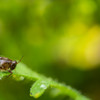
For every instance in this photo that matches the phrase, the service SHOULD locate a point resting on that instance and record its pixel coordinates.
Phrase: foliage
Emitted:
(42, 83)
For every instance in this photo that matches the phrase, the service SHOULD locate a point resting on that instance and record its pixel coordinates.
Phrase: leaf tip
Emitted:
(37, 95)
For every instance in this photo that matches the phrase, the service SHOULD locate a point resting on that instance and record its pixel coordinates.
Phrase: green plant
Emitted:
(42, 83)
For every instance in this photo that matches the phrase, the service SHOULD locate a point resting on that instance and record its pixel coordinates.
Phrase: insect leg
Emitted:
(10, 73)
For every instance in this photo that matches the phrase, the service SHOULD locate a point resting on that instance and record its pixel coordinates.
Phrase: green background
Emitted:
(58, 38)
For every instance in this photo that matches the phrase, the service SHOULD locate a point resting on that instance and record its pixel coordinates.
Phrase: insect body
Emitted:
(7, 64)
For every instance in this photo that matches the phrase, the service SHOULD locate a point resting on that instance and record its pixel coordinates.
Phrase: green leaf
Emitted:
(3, 74)
(42, 83)
(38, 88)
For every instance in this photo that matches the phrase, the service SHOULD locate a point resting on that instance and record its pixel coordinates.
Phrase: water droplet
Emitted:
(21, 78)
(0, 78)
(43, 86)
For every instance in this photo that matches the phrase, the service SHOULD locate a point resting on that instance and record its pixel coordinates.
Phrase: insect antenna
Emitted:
(20, 60)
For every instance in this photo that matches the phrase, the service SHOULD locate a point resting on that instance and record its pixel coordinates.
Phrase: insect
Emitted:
(7, 65)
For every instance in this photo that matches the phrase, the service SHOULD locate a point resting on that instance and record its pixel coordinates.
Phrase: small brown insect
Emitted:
(7, 64)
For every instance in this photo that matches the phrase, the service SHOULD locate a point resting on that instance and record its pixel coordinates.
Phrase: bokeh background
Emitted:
(58, 38)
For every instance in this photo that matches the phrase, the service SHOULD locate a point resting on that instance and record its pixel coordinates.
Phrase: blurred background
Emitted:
(58, 38)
